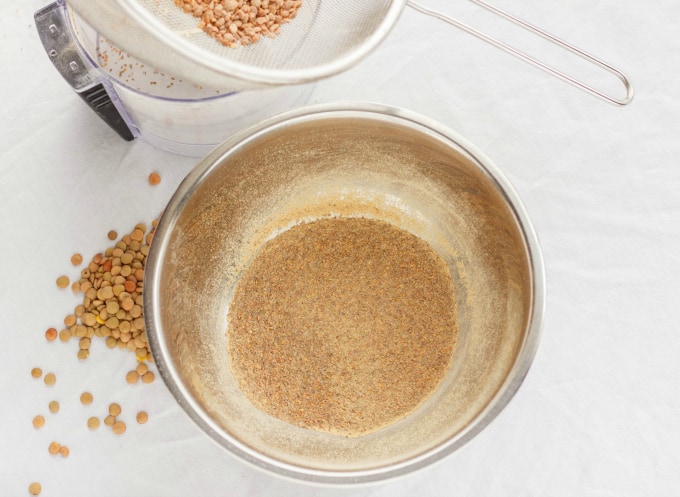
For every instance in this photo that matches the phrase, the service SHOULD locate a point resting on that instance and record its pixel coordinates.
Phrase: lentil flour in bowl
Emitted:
(343, 294)
(343, 325)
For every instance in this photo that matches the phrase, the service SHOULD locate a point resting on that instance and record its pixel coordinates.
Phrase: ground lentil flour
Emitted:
(343, 325)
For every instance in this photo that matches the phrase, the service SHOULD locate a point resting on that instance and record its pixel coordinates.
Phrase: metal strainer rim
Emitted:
(267, 76)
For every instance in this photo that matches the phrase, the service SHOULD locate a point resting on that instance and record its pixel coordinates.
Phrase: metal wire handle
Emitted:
(531, 60)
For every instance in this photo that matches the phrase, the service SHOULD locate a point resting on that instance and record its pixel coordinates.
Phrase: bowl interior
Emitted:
(353, 164)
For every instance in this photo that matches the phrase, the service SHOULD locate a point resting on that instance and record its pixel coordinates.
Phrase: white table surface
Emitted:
(598, 414)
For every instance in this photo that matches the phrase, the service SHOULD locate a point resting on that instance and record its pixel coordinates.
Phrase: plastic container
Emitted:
(139, 101)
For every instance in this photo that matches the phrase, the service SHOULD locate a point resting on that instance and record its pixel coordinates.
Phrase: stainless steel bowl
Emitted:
(358, 159)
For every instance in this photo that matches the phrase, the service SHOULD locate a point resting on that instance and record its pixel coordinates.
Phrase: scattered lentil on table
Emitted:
(51, 334)
(142, 417)
(114, 409)
(63, 281)
(342, 325)
(154, 179)
(39, 421)
(148, 377)
(119, 427)
(132, 377)
(111, 309)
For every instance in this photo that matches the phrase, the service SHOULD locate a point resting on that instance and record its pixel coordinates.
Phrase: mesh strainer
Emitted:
(326, 37)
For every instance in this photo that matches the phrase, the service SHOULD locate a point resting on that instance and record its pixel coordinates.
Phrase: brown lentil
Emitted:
(86, 398)
(63, 281)
(109, 420)
(83, 354)
(39, 421)
(35, 488)
(76, 259)
(70, 320)
(112, 235)
(119, 427)
(54, 406)
(148, 377)
(93, 423)
(154, 179)
(36, 372)
(50, 379)
(64, 451)
(54, 448)
(142, 417)
(142, 369)
(342, 325)
(132, 377)
(114, 409)
(51, 334)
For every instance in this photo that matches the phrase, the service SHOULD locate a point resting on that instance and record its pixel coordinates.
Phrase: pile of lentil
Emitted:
(342, 325)
(111, 286)
(241, 22)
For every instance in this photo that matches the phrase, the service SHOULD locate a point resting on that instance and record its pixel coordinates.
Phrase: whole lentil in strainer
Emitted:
(241, 22)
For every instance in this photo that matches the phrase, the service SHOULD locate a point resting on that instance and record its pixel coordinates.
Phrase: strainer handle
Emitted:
(533, 61)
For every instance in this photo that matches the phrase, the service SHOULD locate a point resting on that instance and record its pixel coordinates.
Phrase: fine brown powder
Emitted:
(342, 325)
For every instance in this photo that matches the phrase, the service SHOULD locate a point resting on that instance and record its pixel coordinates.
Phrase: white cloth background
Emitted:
(599, 413)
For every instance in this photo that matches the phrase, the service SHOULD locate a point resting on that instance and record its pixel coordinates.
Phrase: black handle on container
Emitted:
(100, 102)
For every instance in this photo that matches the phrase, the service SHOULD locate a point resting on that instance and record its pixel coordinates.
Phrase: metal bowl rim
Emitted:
(355, 477)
